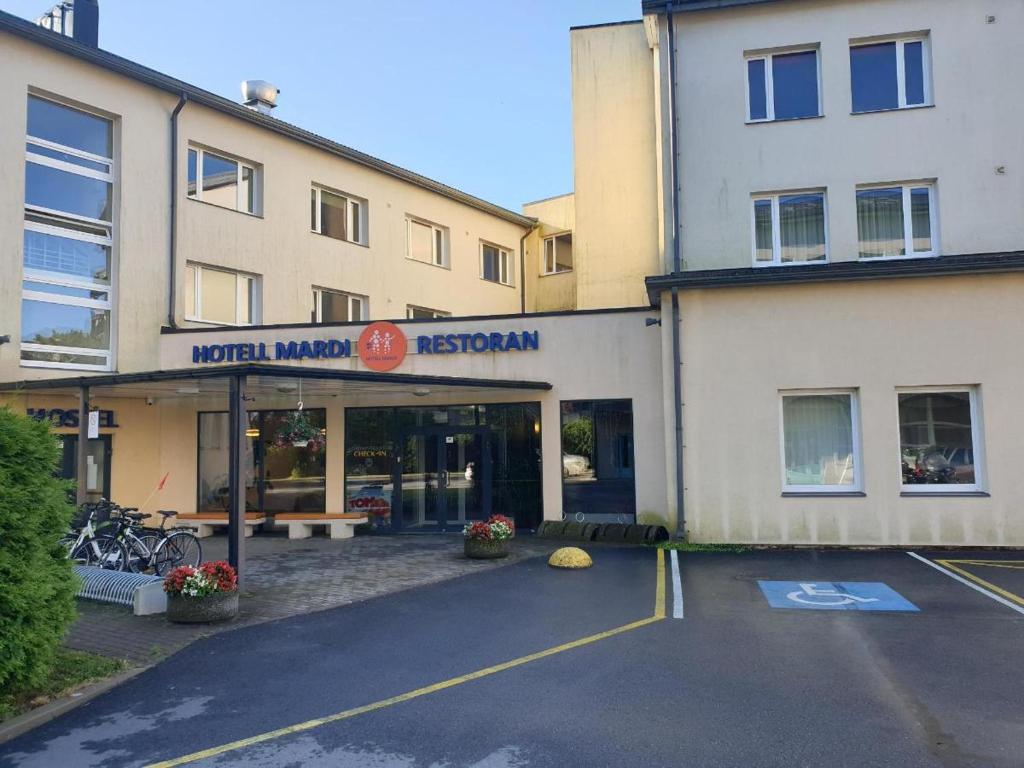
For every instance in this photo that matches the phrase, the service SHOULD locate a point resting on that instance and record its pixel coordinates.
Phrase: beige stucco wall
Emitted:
(615, 179)
(592, 356)
(973, 127)
(741, 346)
(277, 245)
(547, 293)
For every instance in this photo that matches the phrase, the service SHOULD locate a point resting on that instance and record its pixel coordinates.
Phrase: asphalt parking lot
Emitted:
(873, 658)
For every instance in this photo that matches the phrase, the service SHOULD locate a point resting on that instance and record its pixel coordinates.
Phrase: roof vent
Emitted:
(259, 95)
(77, 19)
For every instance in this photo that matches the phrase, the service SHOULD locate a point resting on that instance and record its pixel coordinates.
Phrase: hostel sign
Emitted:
(382, 346)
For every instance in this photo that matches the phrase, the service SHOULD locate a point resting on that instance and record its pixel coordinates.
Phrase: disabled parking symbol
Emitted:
(834, 596)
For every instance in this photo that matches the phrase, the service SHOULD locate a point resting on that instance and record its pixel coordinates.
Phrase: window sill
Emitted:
(946, 494)
(817, 262)
(339, 239)
(784, 120)
(914, 257)
(428, 263)
(893, 109)
(823, 494)
(496, 282)
(555, 274)
(225, 208)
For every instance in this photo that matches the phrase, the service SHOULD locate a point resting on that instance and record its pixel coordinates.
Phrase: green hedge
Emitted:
(37, 585)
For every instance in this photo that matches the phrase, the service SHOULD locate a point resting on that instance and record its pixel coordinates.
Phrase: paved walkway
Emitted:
(291, 578)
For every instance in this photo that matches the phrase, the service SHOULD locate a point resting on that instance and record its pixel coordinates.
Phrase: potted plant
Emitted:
(297, 430)
(201, 595)
(490, 539)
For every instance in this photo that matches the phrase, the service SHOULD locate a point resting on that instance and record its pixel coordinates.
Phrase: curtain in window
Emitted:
(802, 227)
(818, 436)
(880, 222)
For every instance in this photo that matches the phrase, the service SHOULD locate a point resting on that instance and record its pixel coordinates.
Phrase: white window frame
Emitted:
(977, 443)
(241, 279)
(356, 210)
(769, 82)
(70, 281)
(240, 201)
(506, 273)
(552, 268)
(436, 314)
(857, 486)
(777, 228)
(318, 294)
(901, 70)
(908, 223)
(437, 232)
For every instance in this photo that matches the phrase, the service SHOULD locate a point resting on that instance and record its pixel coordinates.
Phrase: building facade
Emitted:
(780, 304)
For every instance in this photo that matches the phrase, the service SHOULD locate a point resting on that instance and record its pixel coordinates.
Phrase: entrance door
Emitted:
(97, 459)
(442, 479)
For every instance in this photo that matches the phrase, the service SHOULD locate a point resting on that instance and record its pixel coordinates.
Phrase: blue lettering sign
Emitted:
(513, 341)
(320, 349)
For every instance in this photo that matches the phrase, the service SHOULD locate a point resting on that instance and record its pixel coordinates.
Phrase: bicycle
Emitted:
(84, 545)
(158, 548)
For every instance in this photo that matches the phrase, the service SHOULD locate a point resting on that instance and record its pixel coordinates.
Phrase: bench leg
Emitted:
(341, 530)
(248, 531)
(299, 531)
(202, 530)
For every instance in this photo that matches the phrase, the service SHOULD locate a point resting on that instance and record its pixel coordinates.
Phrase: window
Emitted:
(67, 278)
(337, 215)
(896, 221)
(939, 441)
(222, 181)
(782, 86)
(820, 442)
(598, 481)
(789, 228)
(423, 313)
(427, 242)
(214, 295)
(894, 74)
(337, 307)
(558, 254)
(495, 264)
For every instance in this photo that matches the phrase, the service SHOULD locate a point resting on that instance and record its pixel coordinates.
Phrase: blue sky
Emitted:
(474, 94)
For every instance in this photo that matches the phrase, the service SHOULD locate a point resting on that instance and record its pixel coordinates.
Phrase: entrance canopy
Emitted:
(240, 384)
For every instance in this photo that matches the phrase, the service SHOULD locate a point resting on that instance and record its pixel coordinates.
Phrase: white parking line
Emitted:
(677, 586)
(962, 580)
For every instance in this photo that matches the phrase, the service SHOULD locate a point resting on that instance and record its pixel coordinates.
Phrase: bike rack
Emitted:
(143, 594)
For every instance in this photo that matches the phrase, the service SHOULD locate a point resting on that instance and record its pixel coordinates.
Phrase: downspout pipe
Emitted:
(173, 253)
(522, 268)
(677, 264)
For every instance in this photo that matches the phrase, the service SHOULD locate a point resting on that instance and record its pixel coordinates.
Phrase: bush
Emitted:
(37, 585)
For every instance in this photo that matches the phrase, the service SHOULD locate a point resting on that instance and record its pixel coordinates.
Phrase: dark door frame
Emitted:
(69, 468)
(439, 432)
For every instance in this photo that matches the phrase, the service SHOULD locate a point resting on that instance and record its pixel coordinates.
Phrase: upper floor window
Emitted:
(783, 86)
(427, 242)
(223, 296)
(338, 215)
(221, 180)
(789, 228)
(891, 74)
(558, 253)
(495, 264)
(423, 313)
(337, 307)
(894, 221)
(67, 306)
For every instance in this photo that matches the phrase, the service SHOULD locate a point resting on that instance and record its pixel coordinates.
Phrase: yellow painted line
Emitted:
(659, 614)
(988, 585)
(1017, 565)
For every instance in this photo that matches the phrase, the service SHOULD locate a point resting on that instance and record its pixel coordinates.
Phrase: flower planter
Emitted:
(220, 606)
(482, 549)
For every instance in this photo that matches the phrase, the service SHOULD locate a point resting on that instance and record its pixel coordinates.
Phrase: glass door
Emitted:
(442, 479)
(97, 464)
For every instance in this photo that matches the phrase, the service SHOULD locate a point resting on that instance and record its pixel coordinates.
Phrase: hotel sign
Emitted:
(382, 346)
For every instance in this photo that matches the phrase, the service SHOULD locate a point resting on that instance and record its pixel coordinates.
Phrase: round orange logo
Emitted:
(382, 346)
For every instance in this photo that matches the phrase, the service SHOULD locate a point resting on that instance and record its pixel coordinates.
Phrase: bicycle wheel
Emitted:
(68, 543)
(179, 548)
(86, 553)
(142, 550)
(103, 551)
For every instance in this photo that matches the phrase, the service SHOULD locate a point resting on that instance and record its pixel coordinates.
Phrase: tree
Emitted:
(37, 584)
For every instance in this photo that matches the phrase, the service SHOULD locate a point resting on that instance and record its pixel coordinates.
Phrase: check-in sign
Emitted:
(834, 596)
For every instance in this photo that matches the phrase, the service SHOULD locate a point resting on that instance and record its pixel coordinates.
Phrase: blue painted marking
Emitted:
(834, 596)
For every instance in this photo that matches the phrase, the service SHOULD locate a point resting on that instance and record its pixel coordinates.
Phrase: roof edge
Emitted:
(29, 31)
(843, 271)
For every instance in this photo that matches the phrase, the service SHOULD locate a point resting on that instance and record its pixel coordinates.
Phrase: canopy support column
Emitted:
(82, 449)
(237, 423)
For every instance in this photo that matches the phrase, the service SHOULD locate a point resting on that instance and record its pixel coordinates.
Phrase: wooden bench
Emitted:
(205, 522)
(300, 524)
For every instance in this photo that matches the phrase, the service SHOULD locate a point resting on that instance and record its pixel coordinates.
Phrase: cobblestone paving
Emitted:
(293, 577)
